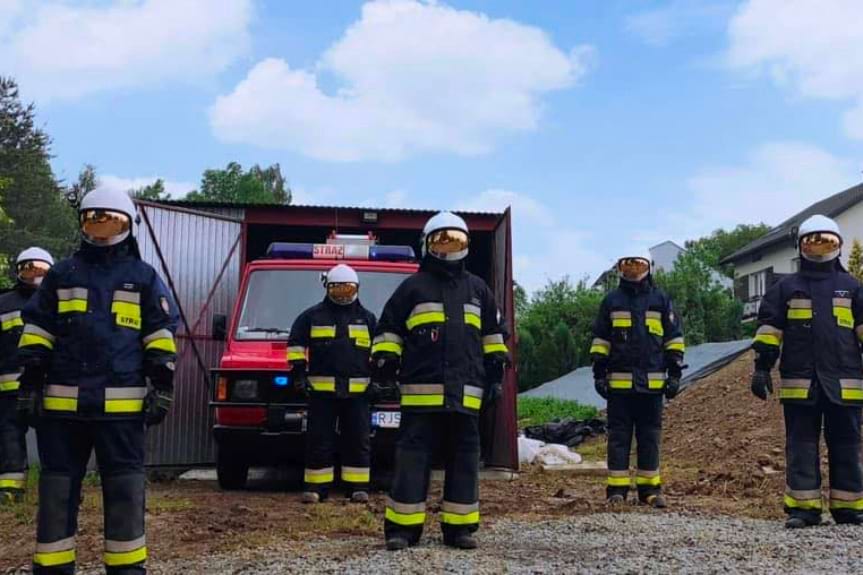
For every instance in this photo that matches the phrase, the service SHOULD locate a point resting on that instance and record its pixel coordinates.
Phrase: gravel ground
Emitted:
(600, 543)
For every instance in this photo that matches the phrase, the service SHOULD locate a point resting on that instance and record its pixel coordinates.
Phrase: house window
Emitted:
(757, 284)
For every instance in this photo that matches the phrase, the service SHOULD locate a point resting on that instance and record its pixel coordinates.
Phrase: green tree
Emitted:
(36, 212)
(233, 185)
(855, 260)
(720, 244)
(153, 192)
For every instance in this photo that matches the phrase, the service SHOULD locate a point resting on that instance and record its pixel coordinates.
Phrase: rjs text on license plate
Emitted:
(386, 419)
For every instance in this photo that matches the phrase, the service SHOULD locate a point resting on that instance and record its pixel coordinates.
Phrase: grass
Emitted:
(540, 410)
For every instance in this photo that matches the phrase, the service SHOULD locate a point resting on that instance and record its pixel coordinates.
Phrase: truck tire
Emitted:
(231, 472)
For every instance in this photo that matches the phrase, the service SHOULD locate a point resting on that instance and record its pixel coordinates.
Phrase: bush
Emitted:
(540, 410)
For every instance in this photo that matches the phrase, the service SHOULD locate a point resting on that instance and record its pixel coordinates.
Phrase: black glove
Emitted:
(672, 386)
(762, 384)
(374, 392)
(494, 369)
(600, 384)
(385, 368)
(157, 404)
(492, 392)
(161, 375)
(28, 402)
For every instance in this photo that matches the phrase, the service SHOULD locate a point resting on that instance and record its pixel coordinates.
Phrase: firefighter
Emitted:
(98, 330)
(637, 355)
(31, 265)
(813, 319)
(329, 350)
(441, 336)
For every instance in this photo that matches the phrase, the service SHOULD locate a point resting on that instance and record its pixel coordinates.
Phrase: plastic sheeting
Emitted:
(535, 451)
(702, 360)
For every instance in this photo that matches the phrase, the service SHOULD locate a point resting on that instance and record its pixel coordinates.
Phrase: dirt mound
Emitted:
(723, 443)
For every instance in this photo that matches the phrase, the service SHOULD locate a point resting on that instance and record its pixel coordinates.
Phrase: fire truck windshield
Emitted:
(275, 298)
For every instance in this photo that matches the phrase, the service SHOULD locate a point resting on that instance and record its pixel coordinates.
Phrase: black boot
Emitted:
(397, 543)
(461, 540)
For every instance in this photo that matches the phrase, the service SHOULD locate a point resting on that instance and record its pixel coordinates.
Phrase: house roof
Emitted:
(239, 205)
(785, 232)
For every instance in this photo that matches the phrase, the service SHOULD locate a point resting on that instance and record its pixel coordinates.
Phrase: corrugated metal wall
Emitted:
(196, 248)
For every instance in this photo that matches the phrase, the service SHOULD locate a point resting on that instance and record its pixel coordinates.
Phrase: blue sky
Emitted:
(608, 125)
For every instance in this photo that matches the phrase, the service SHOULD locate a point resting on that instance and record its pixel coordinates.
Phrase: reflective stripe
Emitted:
(296, 353)
(126, 308)
(125, 558)
(799, 313)
(457, 519)
(358, 384)
(323, 331)
(600, 346)
(619, 481)
(768, 335)
(57, 553)
(653, 320)
(124, 399)
(11, 320)
(60, 398)
(842, 302)
(9, 381)
(358, 330)
(645, 477)
(71, 300)
(322, 383)
(806, 501)
(799, 303)
(125, 546)
(426, 313)
(127, 296)
(852, 389)
(840, 499)
(620, 381)
(794, 393)
(15, 480)
(655, 380)
(325, 475)
(844, 316)
(675, 344)
(35, 335)
(794, 388)
(473, 315)
(472, 397)
(389, 342)
(162, 340)
(405, 513)
(422, 394)
(61, 390)
(494, 344)
(621, 319)
(356, 474)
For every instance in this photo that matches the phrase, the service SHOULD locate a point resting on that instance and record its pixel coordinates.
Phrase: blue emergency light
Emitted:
(281, 381)
(336, 251)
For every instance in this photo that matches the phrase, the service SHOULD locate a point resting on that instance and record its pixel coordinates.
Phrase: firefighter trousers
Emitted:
(803, 424)
(354, 428)
(64, 450)
(421, 436)
(13, 451)
(640, 413)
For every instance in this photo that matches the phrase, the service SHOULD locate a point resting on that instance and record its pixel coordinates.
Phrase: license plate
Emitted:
(386, 419)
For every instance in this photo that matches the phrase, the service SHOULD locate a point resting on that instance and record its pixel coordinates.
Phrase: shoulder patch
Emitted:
(166, 307)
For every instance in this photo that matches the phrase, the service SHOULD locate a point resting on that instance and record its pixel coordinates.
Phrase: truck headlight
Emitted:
(245, 389)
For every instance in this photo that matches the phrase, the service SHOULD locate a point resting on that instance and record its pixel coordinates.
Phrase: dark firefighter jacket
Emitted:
(815, 317)
(11, 325)
(337, 340)
(635, 334)
(99, 320)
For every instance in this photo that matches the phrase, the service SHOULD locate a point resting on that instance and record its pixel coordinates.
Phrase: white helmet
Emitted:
(629, 268)
(107, 217)
(32, 264)
(819, 239)
(342, 284)
(446, 237)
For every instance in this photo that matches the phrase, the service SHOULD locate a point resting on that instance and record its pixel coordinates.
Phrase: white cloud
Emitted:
(810, 46)
(678, 18)
(777, 180)
(174, 189)
(65, 50)
(545, 248)
(413, 77)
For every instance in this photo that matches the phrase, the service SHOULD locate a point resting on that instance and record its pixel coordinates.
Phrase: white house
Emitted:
(761, 263)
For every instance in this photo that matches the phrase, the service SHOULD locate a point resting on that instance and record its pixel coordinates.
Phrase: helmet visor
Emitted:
(820, 245)
(105, 227)
(31, 272)
(633, 269)
(343, 293)
(447, 243)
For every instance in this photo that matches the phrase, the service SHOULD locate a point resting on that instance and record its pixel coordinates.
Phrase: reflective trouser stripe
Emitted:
(356, 474)
(840, 499)
(406, 514)
(126, 558)
(651, 478)
(459, 513)
(325, 475)
(13, 480)
(56, 553)
(618, 478)
(794, 503)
